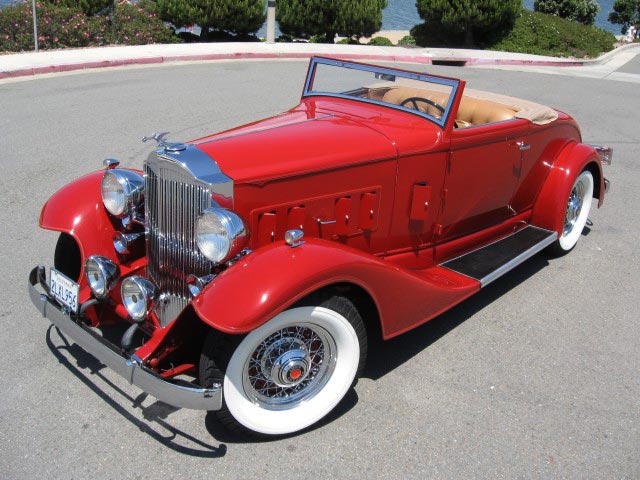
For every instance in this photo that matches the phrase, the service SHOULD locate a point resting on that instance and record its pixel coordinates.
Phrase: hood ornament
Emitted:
(167, 146)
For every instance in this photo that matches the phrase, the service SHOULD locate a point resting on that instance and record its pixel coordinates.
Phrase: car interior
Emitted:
(476, 107)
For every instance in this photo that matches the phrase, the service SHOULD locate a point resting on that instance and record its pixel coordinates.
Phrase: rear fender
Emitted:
(274, 278)
(77, 209)
(549, 208)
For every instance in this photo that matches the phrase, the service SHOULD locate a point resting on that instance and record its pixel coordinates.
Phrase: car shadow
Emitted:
(384, 357)
(222, 434)
(86, 366)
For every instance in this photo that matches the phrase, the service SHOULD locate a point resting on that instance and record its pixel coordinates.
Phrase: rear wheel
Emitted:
(292, 371)
(576, 214)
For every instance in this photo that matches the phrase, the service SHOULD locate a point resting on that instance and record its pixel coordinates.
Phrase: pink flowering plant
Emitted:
(138, 24)
(61, 26)
(58, 27)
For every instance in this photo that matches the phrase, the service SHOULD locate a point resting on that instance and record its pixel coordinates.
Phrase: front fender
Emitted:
(273, 278)
(77, 209)
(550, 206)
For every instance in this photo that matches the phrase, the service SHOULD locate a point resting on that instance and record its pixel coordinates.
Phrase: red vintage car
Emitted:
(251, 268)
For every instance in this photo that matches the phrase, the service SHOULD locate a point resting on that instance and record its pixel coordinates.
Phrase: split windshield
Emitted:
(421, 94)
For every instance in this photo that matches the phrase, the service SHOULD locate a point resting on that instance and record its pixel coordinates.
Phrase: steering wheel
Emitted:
(415, 100)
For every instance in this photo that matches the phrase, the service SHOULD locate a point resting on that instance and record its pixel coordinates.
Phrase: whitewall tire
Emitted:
(292, 371)
(576, 213)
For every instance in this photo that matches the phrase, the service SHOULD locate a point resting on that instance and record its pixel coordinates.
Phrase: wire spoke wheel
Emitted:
(290, 366)
(290, 372)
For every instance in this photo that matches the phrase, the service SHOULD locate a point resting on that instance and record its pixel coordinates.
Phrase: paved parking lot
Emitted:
(536, 376)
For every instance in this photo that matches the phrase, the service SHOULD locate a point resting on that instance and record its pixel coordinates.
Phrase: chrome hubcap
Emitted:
(289, 366)
(574, 207)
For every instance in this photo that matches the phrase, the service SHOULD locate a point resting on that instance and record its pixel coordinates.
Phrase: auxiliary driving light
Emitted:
(138, 296)
(102, 275)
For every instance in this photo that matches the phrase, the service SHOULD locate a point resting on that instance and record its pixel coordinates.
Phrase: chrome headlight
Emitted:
(122, 191)
(102, 275)
(138, 296)
(220, 234)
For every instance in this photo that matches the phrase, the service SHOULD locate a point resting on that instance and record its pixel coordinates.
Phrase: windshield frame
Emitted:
(453, 83)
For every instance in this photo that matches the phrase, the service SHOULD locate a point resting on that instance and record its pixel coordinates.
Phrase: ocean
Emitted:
(403, 15)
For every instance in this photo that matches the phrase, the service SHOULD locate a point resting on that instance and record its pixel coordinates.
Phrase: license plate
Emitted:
(64, 290)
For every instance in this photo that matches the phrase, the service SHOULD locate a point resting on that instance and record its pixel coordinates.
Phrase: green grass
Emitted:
(542, 34)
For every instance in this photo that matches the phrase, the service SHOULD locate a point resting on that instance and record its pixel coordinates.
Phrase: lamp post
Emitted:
(271, 21)
(35, 25)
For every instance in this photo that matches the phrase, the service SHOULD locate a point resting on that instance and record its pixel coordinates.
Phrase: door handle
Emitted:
(523, 146)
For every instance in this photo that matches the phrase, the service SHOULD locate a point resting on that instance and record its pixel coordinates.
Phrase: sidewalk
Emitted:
(28, 64)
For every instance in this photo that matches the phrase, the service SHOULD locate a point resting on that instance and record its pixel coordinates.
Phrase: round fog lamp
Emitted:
(102, 275)
(138, 296)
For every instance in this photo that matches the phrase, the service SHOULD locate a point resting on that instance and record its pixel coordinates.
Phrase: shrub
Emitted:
(381, 42)
(324, 19)
(543, 34)
(465, 22)
(583, 11)
(61, 26)
(88, 7)
(407, 40)
(138, 24)
(58, 27)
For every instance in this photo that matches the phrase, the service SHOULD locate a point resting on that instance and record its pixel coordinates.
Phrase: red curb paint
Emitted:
(421, 59)
(142, 61)
(26, 72)
(46, 69)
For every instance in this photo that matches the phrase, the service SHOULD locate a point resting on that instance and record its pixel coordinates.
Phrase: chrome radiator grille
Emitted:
(173, 201)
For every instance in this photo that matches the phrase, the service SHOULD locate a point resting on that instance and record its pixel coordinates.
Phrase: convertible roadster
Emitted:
(251, 268)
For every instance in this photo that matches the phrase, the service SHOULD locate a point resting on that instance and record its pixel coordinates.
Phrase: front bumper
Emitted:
(130, 368)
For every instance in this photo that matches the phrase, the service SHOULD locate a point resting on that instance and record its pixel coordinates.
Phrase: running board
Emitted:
(494, 260)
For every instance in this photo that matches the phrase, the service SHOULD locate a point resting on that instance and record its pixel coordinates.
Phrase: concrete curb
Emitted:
(30, 64)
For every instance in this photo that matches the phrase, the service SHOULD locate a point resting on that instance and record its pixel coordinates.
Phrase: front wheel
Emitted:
(292, 371)
(576, 214)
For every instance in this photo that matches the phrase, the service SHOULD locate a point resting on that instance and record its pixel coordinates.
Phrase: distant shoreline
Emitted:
(402, 15)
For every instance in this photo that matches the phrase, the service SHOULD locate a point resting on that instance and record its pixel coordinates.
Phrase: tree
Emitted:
(360, 18)
(625, 13)
(583, 11)
(326, 18)
(241, 17)
(470, 21)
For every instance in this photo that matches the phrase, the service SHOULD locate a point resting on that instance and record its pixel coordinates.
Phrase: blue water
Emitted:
(403, 15)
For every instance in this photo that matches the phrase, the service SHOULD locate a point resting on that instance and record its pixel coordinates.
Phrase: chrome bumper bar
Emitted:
(107, 353)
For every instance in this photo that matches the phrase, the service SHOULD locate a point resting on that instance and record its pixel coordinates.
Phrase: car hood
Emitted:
(296, 143)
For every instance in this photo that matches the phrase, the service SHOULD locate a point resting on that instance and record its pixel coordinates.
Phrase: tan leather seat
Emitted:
(399, 95)
(472, 111)
(478, 112)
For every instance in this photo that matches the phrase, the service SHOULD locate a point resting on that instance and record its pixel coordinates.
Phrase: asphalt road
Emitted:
(535, 377)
